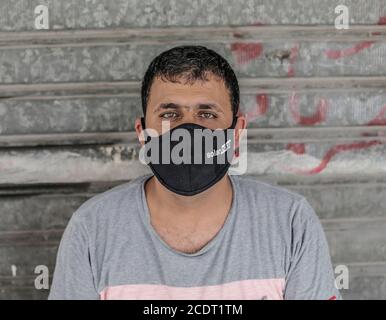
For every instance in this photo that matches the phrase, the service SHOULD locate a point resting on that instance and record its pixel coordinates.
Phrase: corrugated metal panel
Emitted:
(315, 99)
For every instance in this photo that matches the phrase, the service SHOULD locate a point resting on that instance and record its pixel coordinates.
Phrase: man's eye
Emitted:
(207, 115)
(169, 115)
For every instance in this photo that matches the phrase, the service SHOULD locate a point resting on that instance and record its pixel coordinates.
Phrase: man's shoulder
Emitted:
(254, 187)
(109, 200)
(277, 202)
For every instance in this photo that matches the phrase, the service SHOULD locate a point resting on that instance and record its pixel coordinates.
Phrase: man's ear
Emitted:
(241, 125)
(139, 130)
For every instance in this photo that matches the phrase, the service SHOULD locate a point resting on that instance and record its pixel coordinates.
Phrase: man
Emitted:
(191, 231)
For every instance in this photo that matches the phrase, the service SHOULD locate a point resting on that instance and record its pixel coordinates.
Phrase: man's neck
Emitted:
(210, 206)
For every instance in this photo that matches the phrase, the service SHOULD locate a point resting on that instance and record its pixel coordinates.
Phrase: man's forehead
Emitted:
(211, 92)
(182, 82)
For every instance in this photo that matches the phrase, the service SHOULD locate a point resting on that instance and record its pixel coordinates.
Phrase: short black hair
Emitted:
(190, 63)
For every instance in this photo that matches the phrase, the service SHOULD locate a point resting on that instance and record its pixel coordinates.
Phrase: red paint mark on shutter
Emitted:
(246, 52)
(317, 117)
(262, 105)
(298, 148)
(335, 150)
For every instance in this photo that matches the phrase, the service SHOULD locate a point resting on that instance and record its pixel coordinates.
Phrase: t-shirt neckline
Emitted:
(145, 214)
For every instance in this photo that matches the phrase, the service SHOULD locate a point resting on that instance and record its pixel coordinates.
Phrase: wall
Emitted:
(315, 98)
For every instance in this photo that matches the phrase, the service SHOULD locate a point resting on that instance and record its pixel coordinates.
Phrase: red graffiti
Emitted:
(337, 54)
(246, 52)
(298, 148)
(381, 22)
(262, 105)
(335, 150)
(317, 117)
(380, 118)
(293, 57)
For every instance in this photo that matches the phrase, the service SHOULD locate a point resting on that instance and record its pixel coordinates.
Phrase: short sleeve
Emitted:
(73, 278)
(310, 274)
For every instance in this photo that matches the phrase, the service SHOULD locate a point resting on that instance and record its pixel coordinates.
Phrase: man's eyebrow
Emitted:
(165, 106)
(209, 106)
(201, 106)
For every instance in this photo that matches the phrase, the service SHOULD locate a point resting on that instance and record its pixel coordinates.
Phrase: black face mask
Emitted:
(196, 170)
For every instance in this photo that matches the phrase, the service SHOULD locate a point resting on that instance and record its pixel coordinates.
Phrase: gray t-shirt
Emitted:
(271, 246)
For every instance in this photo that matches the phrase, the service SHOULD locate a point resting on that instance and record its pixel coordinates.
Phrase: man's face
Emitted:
(205, 103)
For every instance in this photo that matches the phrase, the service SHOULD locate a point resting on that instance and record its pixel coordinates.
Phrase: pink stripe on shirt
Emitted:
(254, 289)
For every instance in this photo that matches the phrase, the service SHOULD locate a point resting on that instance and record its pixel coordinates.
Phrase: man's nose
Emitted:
(188, 116)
